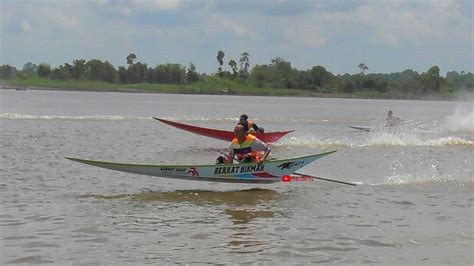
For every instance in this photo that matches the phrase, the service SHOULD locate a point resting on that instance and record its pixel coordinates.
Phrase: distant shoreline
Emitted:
(191, 90)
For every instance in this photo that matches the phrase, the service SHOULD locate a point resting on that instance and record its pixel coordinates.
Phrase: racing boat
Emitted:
(366, 129)
(270, 137)
(267, 172)
(407, 125)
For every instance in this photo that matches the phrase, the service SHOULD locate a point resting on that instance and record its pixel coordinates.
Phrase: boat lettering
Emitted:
(173, 169)
(252, 168)
(226, 170)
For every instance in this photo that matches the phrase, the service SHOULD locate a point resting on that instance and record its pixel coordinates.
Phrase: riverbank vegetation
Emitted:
(237, 77)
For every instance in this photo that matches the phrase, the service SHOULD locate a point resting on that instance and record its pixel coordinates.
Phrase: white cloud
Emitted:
(122, 10)
(309, 35)
(25, 26)
(394, 24)
(392, 35)
(314, 30)
(60, 18)
(236, 28)
(156, 5)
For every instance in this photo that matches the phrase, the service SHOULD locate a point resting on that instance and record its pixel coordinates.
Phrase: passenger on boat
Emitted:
(245, 148)
(250, 124)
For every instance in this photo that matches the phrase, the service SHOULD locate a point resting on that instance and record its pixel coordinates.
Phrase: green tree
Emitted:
(109, 74)
(63, 72)
(98, 70)
(408, 74)
(29, 69)
(137, 73)
(79, 69)
(304, 80)
(320, 76)
(220, 60)
(433, 72)
(7, 71)
(349, 86)
(191, 74)
(130, 59)
(258, 75)
(233, 66)
(431, 81)
(44, 70)
(162, 74)
(278, 74)
(244, 64)
(122, 75)
(178, 73)
(363, 67)
(173, 74)
(452, 77)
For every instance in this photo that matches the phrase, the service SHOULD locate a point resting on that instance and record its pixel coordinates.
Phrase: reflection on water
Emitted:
(240, 207)
(202, 197)
(244, 238)
(245, 216)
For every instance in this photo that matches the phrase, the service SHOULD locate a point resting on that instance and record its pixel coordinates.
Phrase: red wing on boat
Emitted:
(223, 134)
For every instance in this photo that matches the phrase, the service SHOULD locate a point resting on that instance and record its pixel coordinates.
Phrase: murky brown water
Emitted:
(413, 204)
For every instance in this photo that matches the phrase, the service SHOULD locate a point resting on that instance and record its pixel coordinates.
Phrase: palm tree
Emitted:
(363, 67)
(220, 60)
(233, 66)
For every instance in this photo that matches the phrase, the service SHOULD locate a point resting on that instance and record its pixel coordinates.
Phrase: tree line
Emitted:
(277, 74)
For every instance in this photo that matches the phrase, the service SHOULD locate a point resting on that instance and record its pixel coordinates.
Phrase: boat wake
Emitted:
(376, 139)
(462, 120)
(61, 117)
(109, 117)
(413, 179)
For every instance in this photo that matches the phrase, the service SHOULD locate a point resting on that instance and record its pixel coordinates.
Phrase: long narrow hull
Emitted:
(366, 129)
(270, 137)
(267, 172)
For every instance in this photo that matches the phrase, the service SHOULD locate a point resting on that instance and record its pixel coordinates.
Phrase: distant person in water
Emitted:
(392, 120)
(250, 124)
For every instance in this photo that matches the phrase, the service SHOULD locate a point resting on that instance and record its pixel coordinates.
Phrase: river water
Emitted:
(412, 205)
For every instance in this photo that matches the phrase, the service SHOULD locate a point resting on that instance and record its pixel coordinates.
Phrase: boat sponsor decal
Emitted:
(239, 169)
(193, 171)
(289, 178)
(173, 170)
(289, 165)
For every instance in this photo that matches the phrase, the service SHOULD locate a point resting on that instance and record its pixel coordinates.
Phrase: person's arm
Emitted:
(230, 157)
(255, 127)
(259, 145)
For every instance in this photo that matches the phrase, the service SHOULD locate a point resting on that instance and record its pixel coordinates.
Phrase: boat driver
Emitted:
(245, 148)
(392, 120)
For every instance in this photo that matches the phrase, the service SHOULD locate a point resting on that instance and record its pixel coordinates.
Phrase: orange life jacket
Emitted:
(244, 149)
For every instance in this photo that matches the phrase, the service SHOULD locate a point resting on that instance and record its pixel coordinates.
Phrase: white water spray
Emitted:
(463, 118)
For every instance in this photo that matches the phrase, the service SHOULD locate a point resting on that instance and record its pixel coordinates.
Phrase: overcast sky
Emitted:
(389, 36)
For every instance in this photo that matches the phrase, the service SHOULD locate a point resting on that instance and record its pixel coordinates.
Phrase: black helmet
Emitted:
(244, 116)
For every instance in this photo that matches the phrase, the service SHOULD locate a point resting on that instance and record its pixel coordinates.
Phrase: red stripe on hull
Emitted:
(263, 175)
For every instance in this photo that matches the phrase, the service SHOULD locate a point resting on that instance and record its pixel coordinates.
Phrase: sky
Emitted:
(388, 36)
